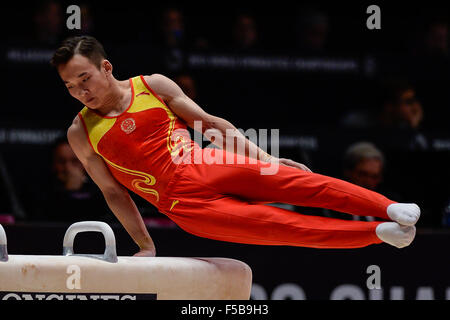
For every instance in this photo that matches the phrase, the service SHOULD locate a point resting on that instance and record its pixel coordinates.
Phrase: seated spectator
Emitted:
(437, 38)
(398, 107)
(70, 196)
(49, 23)
(363, 165)
(401, 117)
(446, 214)
(429, 66)
(245, 34)
(187, 84)
(398, 116)
(175, 40)
(401, 108)
(432, 39)
(173, 28)
(312, 31)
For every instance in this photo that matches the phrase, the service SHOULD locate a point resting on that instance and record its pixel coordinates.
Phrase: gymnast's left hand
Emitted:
(147, 252)
(291, 163)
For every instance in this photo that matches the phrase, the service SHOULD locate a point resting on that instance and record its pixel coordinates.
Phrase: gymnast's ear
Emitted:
(107, 67)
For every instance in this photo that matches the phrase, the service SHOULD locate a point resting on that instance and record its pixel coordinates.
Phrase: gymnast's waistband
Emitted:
(163, 200)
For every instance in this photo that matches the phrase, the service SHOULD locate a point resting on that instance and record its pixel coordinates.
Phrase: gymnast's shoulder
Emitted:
(75, 127)
(76, 135)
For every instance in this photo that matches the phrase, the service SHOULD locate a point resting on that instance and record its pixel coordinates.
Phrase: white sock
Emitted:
(405, 214)
(396, 235)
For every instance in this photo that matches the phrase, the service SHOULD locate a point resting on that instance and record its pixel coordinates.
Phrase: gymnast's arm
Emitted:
(116, 196)
(190, 112)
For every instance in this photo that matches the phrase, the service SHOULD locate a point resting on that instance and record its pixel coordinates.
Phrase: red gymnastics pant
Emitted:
(225, 202)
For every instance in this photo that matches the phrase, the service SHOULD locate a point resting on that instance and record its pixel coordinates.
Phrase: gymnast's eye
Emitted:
(86, 79)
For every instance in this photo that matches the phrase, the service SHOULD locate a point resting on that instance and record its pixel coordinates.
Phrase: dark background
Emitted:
(300, 103)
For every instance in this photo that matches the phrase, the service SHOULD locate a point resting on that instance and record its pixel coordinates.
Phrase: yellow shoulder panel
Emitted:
(145, 99)
(96, 126)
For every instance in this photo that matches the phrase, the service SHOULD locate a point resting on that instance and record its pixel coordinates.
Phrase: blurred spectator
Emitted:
(400, 108)
(312, 30)
(436, 38)
(70, 196)
(398, 114)
(68, 170)
(245, 33)
(170, 41)
(429, 67)
(175, 34)
(396, 106)
(49, 23)
(446, 215)
(402, 116)
(173, 28)
(175, 41)
(363, 165)
(187, 84)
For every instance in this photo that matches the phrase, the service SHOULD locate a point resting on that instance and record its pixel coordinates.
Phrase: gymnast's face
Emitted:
(85, 81)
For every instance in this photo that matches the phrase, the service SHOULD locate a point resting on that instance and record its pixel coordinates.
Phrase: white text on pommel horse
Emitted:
(74, 280)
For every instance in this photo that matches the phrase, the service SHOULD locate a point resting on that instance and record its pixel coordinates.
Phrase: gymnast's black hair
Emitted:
(86, 46)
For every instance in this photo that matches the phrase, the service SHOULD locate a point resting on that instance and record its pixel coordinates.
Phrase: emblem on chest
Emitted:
(128, 125)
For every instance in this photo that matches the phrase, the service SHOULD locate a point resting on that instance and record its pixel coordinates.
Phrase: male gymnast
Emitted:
(129, 135)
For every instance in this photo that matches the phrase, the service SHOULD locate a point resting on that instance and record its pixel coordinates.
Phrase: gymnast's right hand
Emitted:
(294, 164)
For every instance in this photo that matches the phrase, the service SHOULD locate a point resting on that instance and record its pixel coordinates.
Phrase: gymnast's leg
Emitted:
(227, 218)
(301, 188)
(243, 185)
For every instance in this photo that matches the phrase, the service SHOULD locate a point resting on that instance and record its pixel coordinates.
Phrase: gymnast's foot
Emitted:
(395, 234)
(405, 214)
